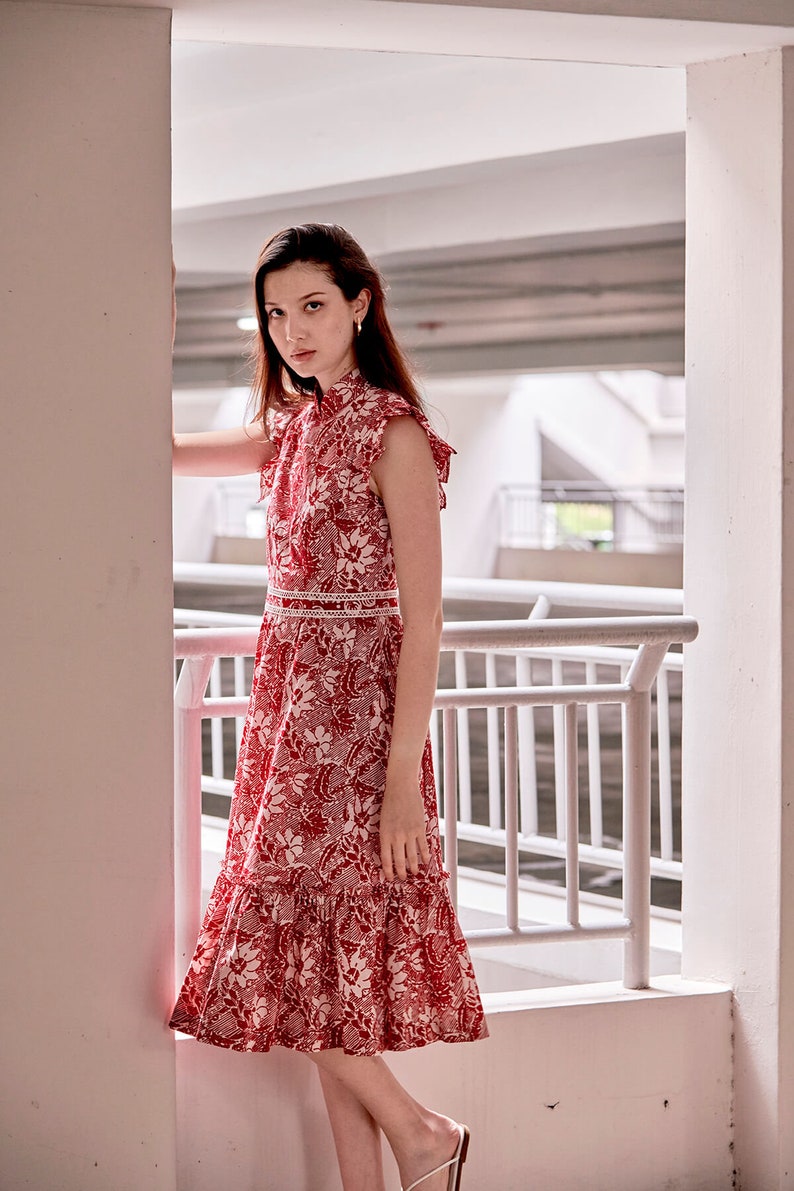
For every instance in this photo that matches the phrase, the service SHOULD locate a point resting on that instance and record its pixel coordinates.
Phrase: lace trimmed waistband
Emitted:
(321, 605)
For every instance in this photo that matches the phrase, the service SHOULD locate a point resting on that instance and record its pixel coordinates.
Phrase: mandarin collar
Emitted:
(335, 397)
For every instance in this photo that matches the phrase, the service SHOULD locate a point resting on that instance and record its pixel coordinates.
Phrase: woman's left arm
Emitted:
(406, 477)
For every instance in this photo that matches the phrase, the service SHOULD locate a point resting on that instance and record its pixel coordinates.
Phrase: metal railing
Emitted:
(653, 601)
(585, 515)
(512, 817)
(564, 663)
(505, 668)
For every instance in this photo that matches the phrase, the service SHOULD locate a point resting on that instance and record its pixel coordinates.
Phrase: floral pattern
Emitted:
(304, 943)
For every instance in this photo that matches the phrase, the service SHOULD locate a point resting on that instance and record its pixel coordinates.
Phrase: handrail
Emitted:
(612, 596)
(482, 634)
(652, 637)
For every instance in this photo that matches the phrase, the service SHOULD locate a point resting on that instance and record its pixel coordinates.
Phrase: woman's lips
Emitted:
(301, 357)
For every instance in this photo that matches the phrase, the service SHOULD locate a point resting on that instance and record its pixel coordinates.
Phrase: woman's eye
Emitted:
(315, 305)
(274, 313)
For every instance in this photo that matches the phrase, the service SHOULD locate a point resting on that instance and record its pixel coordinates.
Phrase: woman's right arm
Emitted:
(236, 452)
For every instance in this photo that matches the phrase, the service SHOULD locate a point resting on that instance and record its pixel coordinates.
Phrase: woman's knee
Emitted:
(326, 1060)
(339, 1061)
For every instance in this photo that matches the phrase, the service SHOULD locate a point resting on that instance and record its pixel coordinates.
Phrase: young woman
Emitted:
(330, 928)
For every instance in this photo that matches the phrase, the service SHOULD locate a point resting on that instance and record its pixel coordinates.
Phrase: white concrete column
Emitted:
(739, 583)
(471, 414)
(87, 1060)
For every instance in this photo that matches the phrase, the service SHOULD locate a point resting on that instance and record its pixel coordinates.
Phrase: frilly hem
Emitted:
(375, 968)
(187, 1023)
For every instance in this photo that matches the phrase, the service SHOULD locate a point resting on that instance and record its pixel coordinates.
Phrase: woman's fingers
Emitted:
(402, 855)
(399, 861)
(386, 860)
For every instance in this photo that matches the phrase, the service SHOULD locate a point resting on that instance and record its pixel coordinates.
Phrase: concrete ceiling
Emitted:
(527, 215)
(633, 32)
(593, 302)
(517, 171)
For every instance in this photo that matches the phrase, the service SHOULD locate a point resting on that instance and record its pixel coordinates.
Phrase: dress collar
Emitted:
(339, 394)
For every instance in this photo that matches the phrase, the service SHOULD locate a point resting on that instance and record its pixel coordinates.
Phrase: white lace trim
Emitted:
(333, 597)
(330, 613)
(358, 603)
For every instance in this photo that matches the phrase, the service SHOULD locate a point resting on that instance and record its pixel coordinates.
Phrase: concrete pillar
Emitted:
(739, 583)
(88, 1063)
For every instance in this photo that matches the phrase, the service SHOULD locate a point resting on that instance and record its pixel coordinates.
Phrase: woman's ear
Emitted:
(361, 304)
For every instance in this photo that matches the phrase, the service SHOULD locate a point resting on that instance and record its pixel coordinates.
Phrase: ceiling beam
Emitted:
(733, 12)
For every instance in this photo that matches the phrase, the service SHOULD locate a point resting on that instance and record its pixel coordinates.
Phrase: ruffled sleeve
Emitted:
(372, 446)
(278, 422)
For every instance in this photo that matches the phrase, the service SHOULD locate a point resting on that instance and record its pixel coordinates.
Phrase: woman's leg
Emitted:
(356, 1136)
(420, 1138)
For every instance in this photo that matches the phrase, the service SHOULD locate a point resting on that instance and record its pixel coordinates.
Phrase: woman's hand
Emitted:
(403, 840)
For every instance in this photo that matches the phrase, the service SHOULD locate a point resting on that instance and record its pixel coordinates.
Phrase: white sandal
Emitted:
(455, 1163)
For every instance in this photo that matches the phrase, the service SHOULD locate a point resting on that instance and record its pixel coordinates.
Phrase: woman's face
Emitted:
(311, 322)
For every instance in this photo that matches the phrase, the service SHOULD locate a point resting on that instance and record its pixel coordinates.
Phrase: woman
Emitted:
(330, 929)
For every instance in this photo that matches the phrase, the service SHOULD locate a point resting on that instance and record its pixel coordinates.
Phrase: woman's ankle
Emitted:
(427, 1144)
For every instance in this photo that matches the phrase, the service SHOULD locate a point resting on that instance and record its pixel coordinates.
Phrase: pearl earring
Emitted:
(358, 326)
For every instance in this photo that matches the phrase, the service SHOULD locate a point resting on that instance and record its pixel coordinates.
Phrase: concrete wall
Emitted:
(738, 582)
(591, 566)
(497, 424)
(88, 1064)
(586, 1088)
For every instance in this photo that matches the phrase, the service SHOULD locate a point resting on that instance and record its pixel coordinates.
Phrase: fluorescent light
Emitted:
(248, 323)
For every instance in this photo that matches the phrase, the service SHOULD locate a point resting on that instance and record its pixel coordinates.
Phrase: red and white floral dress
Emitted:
(305, 944)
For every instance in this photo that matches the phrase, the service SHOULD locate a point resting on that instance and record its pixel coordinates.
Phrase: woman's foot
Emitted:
(438, 1143)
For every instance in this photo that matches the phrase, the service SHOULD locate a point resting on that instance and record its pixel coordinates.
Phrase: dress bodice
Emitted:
(327, 531)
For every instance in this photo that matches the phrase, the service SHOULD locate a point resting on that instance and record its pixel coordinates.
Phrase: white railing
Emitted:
(566, 665)
(650, 637)
(613, 597)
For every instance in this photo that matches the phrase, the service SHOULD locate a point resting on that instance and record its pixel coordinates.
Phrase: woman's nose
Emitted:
(294, 329)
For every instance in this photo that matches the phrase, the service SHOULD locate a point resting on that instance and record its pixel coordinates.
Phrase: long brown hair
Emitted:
(379, 357)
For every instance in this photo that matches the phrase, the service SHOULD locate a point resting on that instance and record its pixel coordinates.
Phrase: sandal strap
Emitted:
(443, 1166)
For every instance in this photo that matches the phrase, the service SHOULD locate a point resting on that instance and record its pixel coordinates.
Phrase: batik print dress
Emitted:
(304, 943)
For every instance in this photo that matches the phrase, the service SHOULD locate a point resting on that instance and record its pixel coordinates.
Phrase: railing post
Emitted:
(188, 697)
(527, 755)
(637, 813)
(665, 766)
(558, 724)
(637, 839)
(511, 816)
(464, 753)
(216, 727)
(451, 802)
(595, 795)
(527, 758)
(492, 752)
(571, 813)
